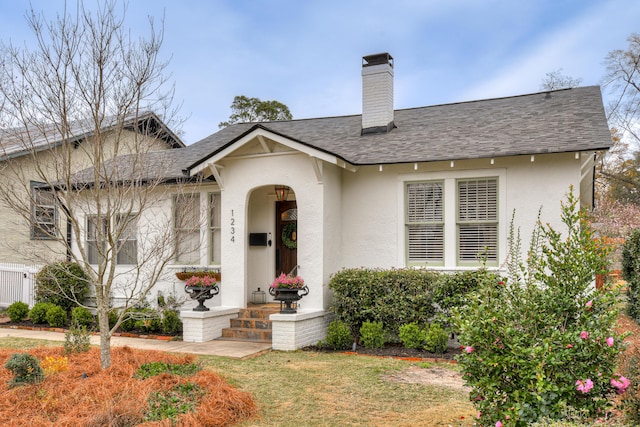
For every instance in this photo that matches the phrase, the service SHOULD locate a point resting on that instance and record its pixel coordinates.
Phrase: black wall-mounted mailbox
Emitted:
(257, 239)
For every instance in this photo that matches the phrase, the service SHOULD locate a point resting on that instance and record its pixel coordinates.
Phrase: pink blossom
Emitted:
(479, 414)
(584, 386)
(589, 304)
(610, 341)
(468, 349)
(498, 423)
(621, 384)
(569, 346)
(584, 335)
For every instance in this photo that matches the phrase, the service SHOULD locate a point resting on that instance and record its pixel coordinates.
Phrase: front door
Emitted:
(286, 237)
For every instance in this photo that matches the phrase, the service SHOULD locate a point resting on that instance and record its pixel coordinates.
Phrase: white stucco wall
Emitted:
(373, 203)
(240, 179)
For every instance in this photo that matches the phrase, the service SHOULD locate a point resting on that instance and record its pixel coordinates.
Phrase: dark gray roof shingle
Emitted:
(547, 122)
(566, 120)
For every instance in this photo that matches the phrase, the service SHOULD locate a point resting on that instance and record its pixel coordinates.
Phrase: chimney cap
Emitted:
(377, 59)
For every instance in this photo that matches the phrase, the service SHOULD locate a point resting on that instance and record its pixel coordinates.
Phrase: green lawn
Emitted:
(319, 389)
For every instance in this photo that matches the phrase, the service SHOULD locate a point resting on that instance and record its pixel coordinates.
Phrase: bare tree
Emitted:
(622, 166)
(555, 80)
(80, 101)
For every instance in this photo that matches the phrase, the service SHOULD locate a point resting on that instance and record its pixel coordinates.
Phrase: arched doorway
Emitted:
(286, 239)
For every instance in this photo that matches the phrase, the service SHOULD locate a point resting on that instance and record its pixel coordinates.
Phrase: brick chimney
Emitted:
(377, 93)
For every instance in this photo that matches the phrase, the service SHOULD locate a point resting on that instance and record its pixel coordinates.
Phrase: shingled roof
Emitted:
(557, 121)
(16, 142)
(567, 120)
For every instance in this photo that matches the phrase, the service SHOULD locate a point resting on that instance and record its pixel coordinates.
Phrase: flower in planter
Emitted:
(285, 281)
(201, 281)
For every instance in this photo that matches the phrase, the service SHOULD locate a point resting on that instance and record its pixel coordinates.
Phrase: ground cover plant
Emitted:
(77, 392)
(542, 344)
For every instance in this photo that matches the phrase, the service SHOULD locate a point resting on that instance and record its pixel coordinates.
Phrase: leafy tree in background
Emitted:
(621, 167)
(246, 110)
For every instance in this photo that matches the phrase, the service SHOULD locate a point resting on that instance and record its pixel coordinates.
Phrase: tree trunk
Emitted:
(105, 337)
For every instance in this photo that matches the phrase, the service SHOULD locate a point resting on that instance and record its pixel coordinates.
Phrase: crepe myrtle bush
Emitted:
(542, 343)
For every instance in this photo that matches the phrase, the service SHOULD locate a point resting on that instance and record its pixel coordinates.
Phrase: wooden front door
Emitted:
(286, 237)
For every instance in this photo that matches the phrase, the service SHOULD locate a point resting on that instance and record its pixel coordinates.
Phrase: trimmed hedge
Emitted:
(399, 297)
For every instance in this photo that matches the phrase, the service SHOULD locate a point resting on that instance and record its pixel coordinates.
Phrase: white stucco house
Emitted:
(428, 187)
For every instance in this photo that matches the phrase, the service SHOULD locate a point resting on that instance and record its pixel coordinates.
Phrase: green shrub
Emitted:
(631, 398)
(372, 334)
(18, 311)
(412, 335)
(26, 369)
(63, 284)
(142, 318)
(56, 317)
(38, 313)
(435, 339)
(450, 291)
(171, 323)
(81, 316)
(77, 339)
(148, 370)
(339, 336)
(180, 399)
(631, 273)
(113, 317)
(393, 297)
(543, 343)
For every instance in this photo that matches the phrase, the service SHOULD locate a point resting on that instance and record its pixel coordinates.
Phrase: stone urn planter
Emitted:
(201, 288)
(202, 293)
(288, 289)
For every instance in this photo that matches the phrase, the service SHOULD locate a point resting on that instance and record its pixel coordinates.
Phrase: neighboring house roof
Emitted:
(558, 121)
(17, 142)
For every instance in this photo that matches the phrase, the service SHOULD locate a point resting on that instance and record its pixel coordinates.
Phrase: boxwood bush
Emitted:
(38, 313)
(18, 311)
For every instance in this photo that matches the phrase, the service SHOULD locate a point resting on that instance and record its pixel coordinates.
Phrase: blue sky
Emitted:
(308, 54)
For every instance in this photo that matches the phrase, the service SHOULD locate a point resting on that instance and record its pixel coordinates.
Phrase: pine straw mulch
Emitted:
(86, 395)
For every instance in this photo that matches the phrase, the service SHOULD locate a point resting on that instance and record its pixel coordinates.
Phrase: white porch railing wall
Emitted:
(17, 283)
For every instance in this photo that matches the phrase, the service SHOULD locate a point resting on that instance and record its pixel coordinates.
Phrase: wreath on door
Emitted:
(289, 238)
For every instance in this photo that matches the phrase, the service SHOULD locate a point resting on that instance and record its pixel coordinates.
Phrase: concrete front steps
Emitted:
(252, 324)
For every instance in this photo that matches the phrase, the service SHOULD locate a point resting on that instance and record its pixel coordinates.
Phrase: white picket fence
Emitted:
(17, 283)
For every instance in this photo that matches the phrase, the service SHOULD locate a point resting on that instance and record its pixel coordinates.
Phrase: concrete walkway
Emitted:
(234, 349)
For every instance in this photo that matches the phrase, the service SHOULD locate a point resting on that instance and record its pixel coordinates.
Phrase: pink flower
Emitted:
(499, 424)
(468, 349)
(584, 335)
(569, 346)
(584, 386)
(621, 384)
(479, 414)
(589, 304)
(610, 341)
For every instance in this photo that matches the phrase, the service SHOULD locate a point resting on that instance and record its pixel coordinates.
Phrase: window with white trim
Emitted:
(97, 234)
(186, 220)
(425, 222)
(477, 220)
(214, 228)
(44, 213)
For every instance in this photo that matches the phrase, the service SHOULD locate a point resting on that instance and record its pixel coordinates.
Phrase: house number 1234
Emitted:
(233, 228)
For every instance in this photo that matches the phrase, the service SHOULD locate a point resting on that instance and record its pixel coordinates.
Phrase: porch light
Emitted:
(282, 192)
